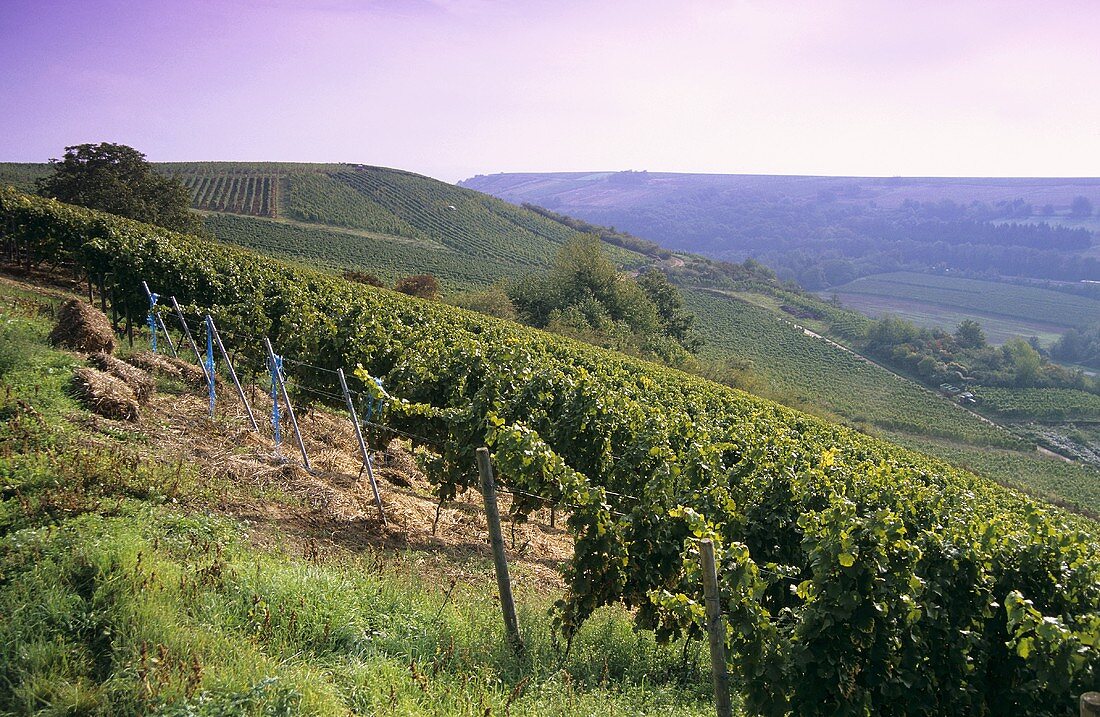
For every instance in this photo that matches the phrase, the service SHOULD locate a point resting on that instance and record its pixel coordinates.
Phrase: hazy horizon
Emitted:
(456, 88)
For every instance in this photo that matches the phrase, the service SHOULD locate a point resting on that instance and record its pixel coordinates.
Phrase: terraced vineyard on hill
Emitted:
(855, 572)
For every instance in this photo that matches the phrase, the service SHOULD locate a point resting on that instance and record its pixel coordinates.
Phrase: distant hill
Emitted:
(826, 231)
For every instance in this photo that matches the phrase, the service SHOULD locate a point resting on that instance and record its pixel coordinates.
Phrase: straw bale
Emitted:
(139, 381)
(104, 394)
(82, 327)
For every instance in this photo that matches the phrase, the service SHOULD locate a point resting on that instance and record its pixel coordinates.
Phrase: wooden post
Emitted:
(716, 630)
(187, 334)
(492, 516)
(233, 375)
(362, 445)
(289, 407)
(1090, 704)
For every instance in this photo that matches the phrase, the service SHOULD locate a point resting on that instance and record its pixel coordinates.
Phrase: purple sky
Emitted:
(452, 88)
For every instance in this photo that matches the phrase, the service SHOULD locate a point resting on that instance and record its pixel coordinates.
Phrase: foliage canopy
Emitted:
(116, 178)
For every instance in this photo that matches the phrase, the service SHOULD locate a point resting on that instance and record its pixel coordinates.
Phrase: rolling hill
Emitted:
(826, 231)
(395, 223)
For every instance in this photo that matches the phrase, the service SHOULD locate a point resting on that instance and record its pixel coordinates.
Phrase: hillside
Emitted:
(389, 229)
(918, 556)
(386, 221)
(826, 231)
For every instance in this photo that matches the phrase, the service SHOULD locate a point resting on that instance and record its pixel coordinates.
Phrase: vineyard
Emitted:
(385, 256)
(814, 371)
(1044, 404)
(237, 194)
(858, 578)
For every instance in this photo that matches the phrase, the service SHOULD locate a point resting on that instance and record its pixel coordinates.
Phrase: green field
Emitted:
(944, 300)
(998, 329)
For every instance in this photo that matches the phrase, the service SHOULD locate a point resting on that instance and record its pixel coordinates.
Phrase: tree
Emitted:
(117, 179)
(969, 334)
(1080, 207)
(1025, 360)
(676, 321)
(423, 286)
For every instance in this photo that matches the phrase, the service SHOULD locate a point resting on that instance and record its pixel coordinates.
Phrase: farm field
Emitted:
(998, 329)
(1043, 404)
(981, 298)
(330, 248)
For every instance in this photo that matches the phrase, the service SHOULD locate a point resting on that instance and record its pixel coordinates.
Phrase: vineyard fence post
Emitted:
(233, 375)
(716, 630)
(1090, 704)
(187, 334)
(362, 445)
(492, 516)
(275, 365)
(156, 320)
(289, 407)
(210, 375)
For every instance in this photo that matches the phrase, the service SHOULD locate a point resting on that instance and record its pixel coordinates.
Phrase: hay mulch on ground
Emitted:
(139, 380)
(83, 327)
(334, 504)
(104, 394)
(190, 373)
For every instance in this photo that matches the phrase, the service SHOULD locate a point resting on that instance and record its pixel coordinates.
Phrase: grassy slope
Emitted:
(813, 371)
(124, 592)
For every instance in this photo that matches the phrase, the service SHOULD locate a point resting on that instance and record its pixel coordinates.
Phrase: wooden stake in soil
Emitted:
(233, 375)
(492, 516)
(289, 408)
(362, 445)
(1090, 704)
(716, 630)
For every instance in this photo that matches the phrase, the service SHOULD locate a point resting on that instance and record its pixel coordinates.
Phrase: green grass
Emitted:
(123, 593)
(974, 298)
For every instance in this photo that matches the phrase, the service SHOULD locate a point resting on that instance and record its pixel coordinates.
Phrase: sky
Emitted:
(453, 88)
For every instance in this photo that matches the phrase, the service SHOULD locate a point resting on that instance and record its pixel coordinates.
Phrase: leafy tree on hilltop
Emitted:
(117, 179)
